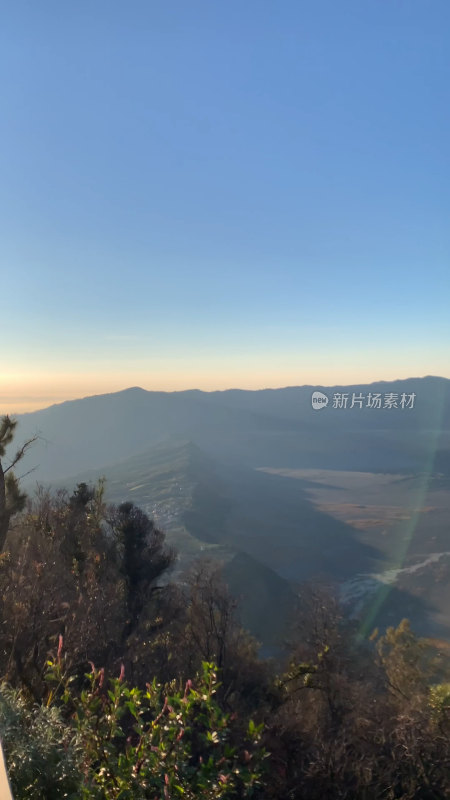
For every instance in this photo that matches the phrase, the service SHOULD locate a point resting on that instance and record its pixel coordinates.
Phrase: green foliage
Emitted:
(158, 742)
(65, 572)
(82, 495)
(408, 661)
(12, 500)
(331, 733)
(42, 752)
(7, 428)
(439, 700)
(142, 557)
(15, 499)
(345, 721)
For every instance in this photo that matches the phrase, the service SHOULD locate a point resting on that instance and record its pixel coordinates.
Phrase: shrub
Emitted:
(43, 753)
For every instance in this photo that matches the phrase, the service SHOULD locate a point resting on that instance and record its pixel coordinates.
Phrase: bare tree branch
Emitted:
(20, 453)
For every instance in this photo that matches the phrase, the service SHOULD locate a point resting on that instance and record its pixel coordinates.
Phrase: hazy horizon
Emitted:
(26, 404)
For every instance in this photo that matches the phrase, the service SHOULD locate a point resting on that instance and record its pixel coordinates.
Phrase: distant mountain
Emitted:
(163, 481)
(431, 404)
(223, 474)
(275, 428)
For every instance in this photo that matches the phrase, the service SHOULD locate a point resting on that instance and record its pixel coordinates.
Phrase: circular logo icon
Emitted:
(319, 400)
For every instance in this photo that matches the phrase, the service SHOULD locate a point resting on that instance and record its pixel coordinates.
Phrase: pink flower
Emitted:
(122, 672)
(166, 790)
(60, 646)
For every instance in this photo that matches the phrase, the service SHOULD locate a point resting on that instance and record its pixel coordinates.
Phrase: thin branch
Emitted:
(28, 472)
(21, 452)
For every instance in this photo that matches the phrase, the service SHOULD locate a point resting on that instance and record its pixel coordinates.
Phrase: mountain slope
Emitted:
(276, 428)
(261, 526)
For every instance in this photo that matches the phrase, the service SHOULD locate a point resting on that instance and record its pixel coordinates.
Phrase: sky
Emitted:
(222, 194)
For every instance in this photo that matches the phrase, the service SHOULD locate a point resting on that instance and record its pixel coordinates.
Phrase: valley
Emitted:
(277, 493)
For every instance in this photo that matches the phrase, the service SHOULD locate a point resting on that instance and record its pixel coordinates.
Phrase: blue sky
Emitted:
(215, 194)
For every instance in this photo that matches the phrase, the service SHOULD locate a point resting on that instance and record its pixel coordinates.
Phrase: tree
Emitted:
(85, 570)
(12, 499)
(407, 660)
(143, 558)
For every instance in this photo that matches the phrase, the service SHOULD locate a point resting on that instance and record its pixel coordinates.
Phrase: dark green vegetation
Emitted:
(257, 496)
(109, 740)
(12, 499)
(118, 683)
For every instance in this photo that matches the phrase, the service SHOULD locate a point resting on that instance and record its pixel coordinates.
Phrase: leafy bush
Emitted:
(112, 741)
(43, 753)
(162, 742)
